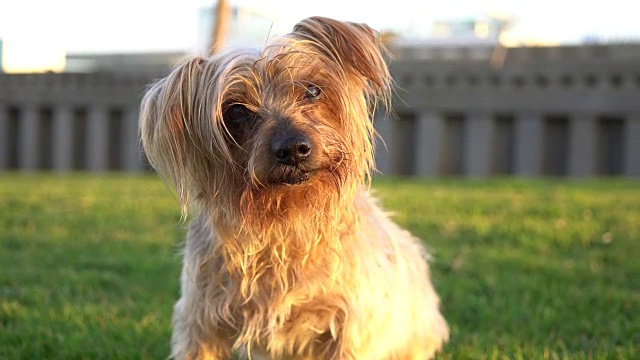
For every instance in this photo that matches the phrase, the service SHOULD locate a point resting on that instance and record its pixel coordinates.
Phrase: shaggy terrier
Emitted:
(289, 257)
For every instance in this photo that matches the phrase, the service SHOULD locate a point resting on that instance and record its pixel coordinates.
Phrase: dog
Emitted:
(289, 256)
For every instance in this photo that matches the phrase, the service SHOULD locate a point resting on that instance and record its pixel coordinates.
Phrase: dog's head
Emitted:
(284, 122)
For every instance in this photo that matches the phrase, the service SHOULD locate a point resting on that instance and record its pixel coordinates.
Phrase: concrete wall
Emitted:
(556, 111)
(69, 122)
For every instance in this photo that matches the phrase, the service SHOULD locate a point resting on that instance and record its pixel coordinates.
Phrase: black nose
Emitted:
(291, 147)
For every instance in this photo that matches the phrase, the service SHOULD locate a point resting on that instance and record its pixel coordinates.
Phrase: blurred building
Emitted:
(247, 27)
(123, 63)
(469, 31)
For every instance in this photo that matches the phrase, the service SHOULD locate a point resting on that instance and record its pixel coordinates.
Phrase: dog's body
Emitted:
(290, 257)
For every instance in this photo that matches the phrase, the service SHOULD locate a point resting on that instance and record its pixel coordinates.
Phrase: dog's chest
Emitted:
(293, 321)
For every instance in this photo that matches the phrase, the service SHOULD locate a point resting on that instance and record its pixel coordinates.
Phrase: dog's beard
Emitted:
(291, 175)
(295, 192)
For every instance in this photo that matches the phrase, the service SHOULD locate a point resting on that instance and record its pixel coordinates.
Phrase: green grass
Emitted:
(526, 269)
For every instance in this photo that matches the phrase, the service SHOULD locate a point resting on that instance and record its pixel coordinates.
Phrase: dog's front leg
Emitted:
(193, 341)
(196, 335)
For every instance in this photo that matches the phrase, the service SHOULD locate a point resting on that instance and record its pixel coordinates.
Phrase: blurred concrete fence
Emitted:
(560, 111)
(67, 121)
(564, 111)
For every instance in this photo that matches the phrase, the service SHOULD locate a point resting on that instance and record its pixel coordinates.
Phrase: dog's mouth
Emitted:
(295, 180)
(291, 176)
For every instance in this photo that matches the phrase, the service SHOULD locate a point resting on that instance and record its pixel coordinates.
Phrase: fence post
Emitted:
(582, 145)
(479, 139)
(430, 131)
(632, 145)
(97, 136)
(62, 138)
(4, 137)
(528, 154)
(383, 144)
(132, 151)
(28, 130)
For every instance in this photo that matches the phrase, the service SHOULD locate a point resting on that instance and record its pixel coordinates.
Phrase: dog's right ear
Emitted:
(171, 125)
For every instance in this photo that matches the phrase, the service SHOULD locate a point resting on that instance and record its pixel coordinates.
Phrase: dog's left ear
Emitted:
(354, 46)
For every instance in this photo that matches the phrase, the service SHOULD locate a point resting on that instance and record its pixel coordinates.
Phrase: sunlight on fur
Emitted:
(289, 256)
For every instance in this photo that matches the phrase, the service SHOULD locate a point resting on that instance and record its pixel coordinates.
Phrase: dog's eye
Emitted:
(312, 92)
(237, 113)
(237, 118)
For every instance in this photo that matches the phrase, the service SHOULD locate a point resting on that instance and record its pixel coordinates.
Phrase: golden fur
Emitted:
(290, 257)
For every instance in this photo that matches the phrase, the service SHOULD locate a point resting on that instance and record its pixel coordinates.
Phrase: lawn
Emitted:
(526, 269)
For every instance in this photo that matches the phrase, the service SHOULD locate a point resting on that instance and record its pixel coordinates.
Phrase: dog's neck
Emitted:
(291, 220)
(294, 237)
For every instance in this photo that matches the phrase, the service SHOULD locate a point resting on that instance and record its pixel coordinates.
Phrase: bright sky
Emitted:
(58, 26)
